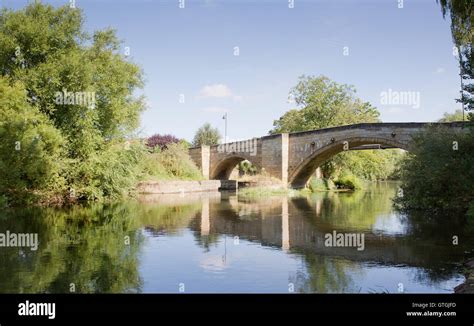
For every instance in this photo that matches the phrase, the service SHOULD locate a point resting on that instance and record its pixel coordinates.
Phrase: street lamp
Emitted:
(225, 133)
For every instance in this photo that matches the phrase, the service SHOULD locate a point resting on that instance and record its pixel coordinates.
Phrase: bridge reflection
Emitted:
(298, 225)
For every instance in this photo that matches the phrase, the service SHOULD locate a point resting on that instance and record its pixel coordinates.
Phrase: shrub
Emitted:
(161, 141)
(435, 175)
(349, 181)
(109, 173)
(321, 185)
(367, 164)
(30, 149)
(177, 162)
(171, 163)
(245, 167)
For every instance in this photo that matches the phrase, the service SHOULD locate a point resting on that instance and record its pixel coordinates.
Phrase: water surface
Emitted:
(222, 243)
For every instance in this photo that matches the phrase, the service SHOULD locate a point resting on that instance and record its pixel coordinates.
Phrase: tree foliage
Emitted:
(370, 165)
(161, 141)
(31, 147)
(461, 13)
(452, 117)
(46, 52)
(324, 103)
(437, 174)
(206, 135)
(171, 163)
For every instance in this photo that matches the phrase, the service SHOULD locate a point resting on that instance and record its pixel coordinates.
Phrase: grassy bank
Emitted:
(173, 163)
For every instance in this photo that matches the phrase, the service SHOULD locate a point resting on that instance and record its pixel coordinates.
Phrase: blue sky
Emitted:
(191, 51)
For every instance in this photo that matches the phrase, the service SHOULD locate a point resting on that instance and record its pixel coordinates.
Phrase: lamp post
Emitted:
(225, 130)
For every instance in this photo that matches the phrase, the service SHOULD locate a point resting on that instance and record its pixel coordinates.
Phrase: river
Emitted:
(223, 243)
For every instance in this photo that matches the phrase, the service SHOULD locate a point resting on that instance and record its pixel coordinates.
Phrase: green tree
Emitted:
(437, 174)
(436, 177)
(461, 13)
(451, 117)
(206, 135)
(30, 148)
(323, 103)
(462, 16)
(81, 85)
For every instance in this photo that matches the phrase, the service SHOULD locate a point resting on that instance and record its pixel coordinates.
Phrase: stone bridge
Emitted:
(293, 157)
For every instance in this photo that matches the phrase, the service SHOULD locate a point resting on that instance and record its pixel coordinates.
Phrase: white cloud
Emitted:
(440, 70)
(216, 90)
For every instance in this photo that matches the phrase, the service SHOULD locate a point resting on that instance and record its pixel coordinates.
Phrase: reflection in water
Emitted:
(218, 243)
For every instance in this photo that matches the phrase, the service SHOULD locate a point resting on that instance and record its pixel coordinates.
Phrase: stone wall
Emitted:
(178, 186)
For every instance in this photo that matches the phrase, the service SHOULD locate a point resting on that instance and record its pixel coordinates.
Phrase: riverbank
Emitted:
(185, 186)
(468, 285)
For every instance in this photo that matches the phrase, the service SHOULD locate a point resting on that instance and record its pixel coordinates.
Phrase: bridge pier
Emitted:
(275, 156)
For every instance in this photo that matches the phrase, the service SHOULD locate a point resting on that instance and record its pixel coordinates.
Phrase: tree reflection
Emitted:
(91, 249)
(81, 250)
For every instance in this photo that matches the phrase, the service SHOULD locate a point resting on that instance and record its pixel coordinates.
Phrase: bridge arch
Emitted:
(222, 169)
(305, 169)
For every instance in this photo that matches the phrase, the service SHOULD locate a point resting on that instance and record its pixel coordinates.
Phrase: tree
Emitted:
(462, 13)
(206, 135)
(161, 141)
(324, 103)
(79, 83)
(437, 174)
(451, 117)
(30, 148)
(462, 16)
(291, 121)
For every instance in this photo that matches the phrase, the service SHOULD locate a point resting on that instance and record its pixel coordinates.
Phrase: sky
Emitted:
(242, 57)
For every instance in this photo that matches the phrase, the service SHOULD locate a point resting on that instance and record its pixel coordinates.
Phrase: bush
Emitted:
(435, 176)
(370, 165)
(177, 162)
(349, 181)
(171, 163)
(30, 149)
(109, 173)
(247, 168)
(321, 185)
(161, 141)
